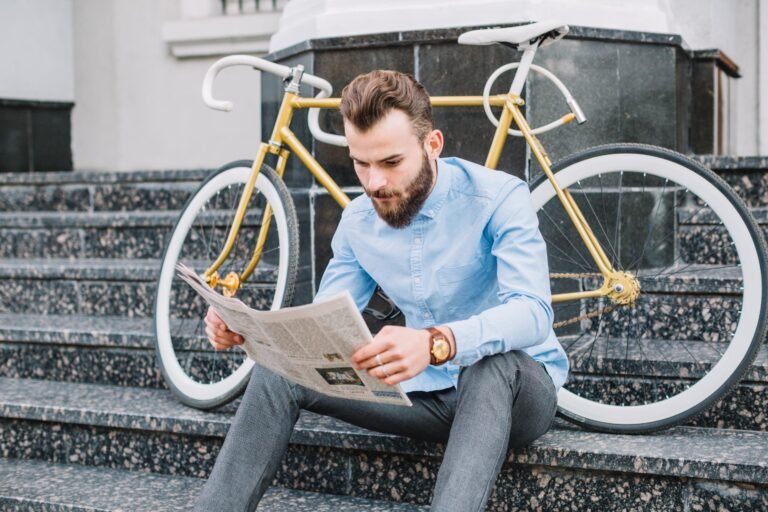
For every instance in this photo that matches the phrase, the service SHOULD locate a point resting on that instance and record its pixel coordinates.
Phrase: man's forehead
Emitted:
(389, 136)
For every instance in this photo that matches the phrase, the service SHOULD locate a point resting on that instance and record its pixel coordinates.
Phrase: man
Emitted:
(457, 247)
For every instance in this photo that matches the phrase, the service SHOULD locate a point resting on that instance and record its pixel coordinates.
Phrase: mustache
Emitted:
(385, 194)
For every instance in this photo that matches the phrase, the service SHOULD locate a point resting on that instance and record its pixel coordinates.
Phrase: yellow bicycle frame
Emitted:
(620, 286)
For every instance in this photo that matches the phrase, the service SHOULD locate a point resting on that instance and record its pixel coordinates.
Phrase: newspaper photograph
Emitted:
(311, 345)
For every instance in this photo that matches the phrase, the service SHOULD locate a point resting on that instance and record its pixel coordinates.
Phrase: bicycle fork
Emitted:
(232, 281)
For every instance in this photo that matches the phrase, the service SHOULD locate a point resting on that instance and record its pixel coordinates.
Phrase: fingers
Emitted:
(365, 357)
(212, 317)
(218, 333)
(396, 378)
(390, 369)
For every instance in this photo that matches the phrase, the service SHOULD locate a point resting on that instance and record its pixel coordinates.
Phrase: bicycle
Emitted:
(658, 325)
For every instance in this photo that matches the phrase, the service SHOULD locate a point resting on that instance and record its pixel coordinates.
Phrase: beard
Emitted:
(400, 211)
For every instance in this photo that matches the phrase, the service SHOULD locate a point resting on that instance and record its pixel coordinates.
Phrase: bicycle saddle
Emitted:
(546, 32)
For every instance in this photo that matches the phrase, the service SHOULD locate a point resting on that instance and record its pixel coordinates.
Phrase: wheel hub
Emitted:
(625, 288)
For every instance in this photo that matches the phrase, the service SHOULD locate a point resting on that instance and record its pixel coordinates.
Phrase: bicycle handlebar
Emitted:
(326, 89)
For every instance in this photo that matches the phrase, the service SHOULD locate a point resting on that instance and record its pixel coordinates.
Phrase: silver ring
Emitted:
(381, 364)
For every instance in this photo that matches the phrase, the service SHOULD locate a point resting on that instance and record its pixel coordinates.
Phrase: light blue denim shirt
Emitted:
(472, 259)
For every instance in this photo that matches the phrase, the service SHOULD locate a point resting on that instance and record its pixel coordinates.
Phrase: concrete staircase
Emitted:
(86, 422)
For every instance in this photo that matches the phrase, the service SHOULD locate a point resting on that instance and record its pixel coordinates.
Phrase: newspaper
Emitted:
(310, 345)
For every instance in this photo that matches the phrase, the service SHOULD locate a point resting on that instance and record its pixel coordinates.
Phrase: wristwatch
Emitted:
(439, 347)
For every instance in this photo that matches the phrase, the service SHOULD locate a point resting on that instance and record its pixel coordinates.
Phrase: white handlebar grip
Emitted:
(236, 60)
(210, 77)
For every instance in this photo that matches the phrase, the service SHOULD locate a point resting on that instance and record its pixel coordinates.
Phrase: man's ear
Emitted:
(433, 144)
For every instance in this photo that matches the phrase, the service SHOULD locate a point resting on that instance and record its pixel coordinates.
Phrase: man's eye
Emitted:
(392, 163)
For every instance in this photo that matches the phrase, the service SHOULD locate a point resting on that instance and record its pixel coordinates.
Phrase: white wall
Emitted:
(36, 50)
(138, 107)
(732, 26)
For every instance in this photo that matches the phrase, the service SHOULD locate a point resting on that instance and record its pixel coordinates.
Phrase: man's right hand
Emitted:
(218, 333)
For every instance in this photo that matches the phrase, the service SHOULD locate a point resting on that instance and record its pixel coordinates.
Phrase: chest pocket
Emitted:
(464, 283)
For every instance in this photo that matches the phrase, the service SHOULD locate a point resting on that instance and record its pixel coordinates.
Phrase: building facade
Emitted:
(115, 85)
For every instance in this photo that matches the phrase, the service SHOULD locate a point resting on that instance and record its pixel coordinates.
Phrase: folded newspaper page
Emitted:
(310, 345)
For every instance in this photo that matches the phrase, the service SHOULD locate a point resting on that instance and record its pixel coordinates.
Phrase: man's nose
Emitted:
(376, 180)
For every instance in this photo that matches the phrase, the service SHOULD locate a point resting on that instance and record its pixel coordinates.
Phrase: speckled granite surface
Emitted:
(730, 163)
(32, 485)
(132, 235)
(103, 331)
(90, 269)
(85, 177)
(120, 351)
(114, 366)
(104, 287)
(683, 451)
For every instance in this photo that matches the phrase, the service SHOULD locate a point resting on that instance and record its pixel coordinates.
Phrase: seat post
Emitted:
(522, 70)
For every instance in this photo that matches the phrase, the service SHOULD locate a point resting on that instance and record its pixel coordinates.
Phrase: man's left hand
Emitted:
(403, 353)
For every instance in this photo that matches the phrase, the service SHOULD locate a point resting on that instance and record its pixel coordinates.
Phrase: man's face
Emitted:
(393, 167)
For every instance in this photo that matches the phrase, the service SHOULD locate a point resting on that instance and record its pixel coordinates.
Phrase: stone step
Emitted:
(748, 176)
(44, 486)
(97, 191)
(702, 238)
(143, 234)
(132, 235)
(115, 287)
(125, 215)
(120, 351)
(639, 370)
(168, 190)
(147, 430)
(75, 348)
(102, 286)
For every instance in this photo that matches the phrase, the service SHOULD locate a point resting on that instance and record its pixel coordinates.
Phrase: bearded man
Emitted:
(457, 248)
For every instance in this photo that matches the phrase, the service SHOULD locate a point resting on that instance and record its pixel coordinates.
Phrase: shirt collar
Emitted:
(439, 192)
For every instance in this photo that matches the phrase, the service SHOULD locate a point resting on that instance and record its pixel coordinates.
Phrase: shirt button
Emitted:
(418, 241)
(417, 280)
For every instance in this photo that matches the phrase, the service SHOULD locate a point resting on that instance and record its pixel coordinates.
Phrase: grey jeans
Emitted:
(502, 401)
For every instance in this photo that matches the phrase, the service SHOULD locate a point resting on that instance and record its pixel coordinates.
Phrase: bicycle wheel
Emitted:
(700, 258)
(197, 374)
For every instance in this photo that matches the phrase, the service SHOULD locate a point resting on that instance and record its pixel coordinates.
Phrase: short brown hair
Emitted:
(368, 98)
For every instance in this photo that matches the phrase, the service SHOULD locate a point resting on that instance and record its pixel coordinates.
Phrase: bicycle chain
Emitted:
(591, 314)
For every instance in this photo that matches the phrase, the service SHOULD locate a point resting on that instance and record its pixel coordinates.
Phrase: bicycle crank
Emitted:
(229, 285)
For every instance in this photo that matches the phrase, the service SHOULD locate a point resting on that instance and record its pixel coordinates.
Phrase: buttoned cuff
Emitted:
(466, 334)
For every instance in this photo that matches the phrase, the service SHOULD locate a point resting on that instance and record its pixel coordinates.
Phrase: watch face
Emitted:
(441, 349)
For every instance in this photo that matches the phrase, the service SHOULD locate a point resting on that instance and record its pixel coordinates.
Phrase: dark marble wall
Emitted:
(633, 87)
